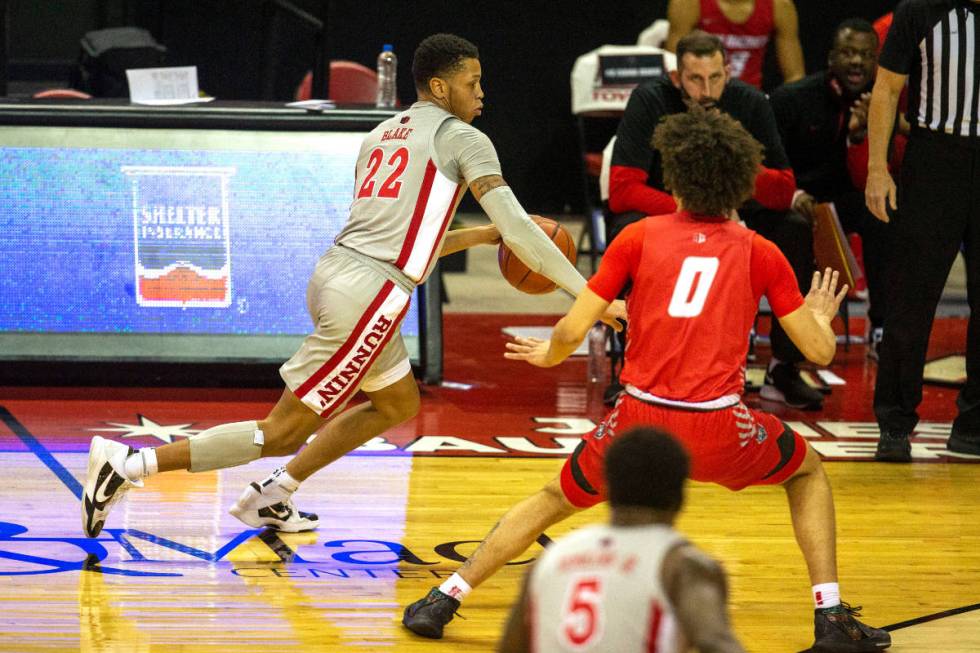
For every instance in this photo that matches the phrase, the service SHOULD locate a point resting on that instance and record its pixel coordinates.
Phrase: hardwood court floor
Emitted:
(172, 571)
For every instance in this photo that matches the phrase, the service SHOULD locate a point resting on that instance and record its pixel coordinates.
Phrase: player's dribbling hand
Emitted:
(821, 300)
(532, 350)
(615, 315)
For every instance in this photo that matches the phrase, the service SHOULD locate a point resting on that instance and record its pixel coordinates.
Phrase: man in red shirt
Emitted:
(744, 26)
(696, 279)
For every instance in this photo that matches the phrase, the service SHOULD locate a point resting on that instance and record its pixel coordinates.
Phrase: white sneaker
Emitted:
(105, 482)
(269, 506)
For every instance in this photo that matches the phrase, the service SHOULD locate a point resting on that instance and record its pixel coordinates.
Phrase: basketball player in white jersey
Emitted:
(635, 584)
(411, 173)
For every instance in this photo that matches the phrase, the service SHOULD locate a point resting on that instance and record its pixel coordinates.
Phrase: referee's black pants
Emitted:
(856, 218)
(790, 232)
(938, 210)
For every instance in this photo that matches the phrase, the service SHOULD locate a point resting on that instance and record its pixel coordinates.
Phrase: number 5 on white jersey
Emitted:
(582, 618)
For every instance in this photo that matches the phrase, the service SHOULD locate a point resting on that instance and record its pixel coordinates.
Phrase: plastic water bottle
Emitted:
(387, 70)
(597, 353)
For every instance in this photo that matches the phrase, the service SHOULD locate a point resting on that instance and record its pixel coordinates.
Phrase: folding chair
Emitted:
(602, 81)
(656, 34)
(350, 83)
(61, 94)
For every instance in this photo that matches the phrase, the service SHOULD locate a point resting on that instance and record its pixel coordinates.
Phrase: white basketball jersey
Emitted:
(599, 589)
(403, 203)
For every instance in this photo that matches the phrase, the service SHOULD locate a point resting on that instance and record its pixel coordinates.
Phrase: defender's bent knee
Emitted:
(556, 497)
(812, 464)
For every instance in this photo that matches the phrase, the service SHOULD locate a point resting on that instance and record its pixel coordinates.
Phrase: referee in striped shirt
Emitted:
(935, 45)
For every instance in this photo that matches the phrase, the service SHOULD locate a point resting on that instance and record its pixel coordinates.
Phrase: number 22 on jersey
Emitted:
(392, 185)
(693, 283)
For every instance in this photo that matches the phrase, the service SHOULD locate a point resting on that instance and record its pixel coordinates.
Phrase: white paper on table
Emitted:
(164, 86)
(165, 103)
(313, 105)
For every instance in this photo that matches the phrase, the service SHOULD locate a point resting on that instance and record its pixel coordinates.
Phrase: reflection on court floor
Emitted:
(173, 569)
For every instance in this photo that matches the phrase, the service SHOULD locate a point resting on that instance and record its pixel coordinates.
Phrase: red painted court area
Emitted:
(487, 405)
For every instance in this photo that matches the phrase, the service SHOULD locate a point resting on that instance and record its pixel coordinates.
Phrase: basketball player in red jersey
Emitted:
(696, 280)
(744, 26)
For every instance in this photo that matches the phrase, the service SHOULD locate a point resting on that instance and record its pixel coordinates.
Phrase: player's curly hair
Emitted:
(646, 467)
(438, 55)
(709, 160)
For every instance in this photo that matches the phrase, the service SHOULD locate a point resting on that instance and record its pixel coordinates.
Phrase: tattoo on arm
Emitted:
(484, 185)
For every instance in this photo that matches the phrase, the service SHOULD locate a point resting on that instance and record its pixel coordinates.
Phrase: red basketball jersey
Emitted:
(745, 43)
(696, 286)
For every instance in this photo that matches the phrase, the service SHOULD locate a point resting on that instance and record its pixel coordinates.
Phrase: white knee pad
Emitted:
(226, 445)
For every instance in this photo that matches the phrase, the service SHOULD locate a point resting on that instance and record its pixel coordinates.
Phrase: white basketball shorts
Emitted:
(357, 306)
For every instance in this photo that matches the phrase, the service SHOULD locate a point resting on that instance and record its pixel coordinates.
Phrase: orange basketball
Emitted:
(519, 275)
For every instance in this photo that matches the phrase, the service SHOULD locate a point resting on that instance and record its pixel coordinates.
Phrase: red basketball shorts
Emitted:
(735, 447)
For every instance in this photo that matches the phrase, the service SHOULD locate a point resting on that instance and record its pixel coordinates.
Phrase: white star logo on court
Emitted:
(148, 428)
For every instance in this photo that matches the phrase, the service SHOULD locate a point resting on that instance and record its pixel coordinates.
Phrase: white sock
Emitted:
(455, 587)
(826, 595)
(141, 464)
(283, 479)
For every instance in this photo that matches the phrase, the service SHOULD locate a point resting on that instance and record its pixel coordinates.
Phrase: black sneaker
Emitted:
(428, 616)
(784, 383)
(964, 443)
(894, 447)
(835, 630)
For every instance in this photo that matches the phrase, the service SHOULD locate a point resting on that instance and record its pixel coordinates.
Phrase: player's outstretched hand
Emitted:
(821, 299)
(532, 350)
(615, 315)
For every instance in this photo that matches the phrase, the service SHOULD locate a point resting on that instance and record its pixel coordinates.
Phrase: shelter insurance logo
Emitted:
(180, 233)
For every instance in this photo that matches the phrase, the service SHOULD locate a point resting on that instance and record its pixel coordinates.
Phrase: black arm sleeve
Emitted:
(898, 53)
